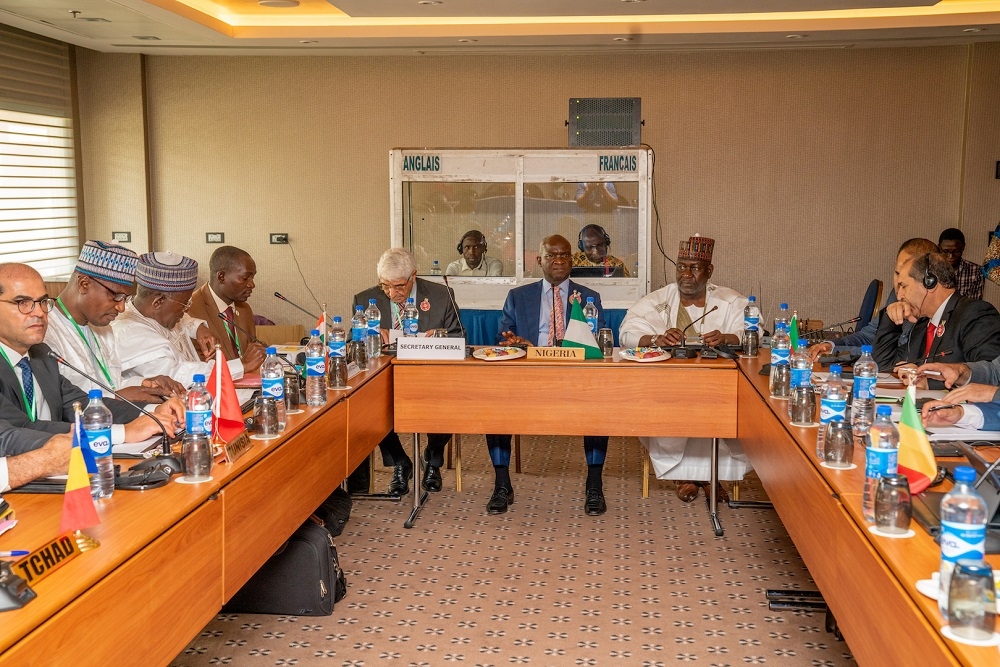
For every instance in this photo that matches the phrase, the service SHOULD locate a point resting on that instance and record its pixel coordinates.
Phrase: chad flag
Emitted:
(78, 505)
(916, 460)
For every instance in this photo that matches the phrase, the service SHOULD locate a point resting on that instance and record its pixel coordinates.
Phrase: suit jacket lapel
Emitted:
(49, 386)
(943, 329)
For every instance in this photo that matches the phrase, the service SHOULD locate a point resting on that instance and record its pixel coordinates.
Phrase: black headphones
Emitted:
(596, 228)
(467, 235)
(930, 280)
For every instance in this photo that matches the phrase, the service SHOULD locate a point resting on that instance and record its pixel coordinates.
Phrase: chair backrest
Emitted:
(869, 304)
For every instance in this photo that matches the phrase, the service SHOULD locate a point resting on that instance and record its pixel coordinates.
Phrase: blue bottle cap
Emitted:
(371, 302)
(337, 319)
(883, 411)
(272, 350)
(409, 300)
(95, 393)
(314, 332)
(199, 378)
(784, 306)
(836, 368)
(965, 474)
(866, 349)
(358, 308)
(590, 299)
(751, 298)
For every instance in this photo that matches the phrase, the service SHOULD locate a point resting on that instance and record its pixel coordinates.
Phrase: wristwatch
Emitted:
(652, 340)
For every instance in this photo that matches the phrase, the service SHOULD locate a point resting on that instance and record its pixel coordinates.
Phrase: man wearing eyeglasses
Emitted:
(155, 333)
(33, 394)
(436, 311)
(79, 325)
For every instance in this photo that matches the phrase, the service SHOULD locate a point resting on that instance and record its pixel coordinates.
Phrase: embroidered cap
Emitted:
(697, 248)
(108, 261)
(166, 272)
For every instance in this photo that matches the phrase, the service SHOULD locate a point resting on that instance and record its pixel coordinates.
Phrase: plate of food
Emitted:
(644, 354)
(498, 353)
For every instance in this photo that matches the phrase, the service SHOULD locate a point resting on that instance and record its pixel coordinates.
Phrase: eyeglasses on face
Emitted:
(389, 288)
(117, 297)
(186, 304)
(27, 305)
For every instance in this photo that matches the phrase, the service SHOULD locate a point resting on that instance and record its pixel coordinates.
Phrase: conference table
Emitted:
(171, 557)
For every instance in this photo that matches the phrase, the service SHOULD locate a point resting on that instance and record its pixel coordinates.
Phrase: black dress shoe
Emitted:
(432, 478)
(399, 485)
(595, 505)
(500, 500)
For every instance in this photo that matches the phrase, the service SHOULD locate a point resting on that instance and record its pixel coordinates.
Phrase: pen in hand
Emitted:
(942, 406)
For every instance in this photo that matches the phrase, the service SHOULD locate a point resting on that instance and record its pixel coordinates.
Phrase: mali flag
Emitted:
(78, 505)
(227, 417)
(916, 460)
(578, 333)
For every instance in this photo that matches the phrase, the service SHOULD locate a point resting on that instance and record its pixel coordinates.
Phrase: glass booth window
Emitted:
(600, 220)
(460, 228)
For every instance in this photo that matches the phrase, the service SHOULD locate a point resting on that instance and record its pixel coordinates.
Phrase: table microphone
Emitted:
(166, 438)
(682, 352)
(838, 325)
(294, 305)
(451, 297)
(232, 322)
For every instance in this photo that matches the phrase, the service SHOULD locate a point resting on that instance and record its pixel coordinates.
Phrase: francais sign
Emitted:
(421, 347)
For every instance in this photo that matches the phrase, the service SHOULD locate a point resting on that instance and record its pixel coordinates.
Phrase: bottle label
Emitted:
(315, 367)
(832, 410)
(592, 322)
(198, 422)
(99, 441)
(962, 540)
(780, 356)
(880, 462)
(338, 348)
(801, 377)
(750, 323)
(358, 334)
(274, 388)
(864, 387)
(410, 327)
(373, 327)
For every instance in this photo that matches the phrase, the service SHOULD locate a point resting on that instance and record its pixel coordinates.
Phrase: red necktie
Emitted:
(930, 338)
(557, 325)
(231, 329)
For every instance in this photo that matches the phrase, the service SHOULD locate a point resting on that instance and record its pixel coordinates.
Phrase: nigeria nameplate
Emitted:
(556, 353)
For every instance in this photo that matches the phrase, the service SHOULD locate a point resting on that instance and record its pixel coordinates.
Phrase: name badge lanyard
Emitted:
(30, 409)
(233, 338)
(98, 360)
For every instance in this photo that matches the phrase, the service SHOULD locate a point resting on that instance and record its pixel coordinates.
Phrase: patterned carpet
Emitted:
(647, 583)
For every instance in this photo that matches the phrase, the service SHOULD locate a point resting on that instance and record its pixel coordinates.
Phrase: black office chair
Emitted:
(869, 304)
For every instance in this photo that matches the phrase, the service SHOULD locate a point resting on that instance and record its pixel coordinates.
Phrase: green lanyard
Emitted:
(233, 337)
(97, 360)
(30, 409)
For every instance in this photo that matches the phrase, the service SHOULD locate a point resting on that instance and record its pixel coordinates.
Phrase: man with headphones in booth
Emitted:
(474, 261)
(593, 244)
(948, 327)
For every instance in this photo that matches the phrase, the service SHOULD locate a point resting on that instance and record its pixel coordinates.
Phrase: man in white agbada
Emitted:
(658, 319)
(154, 333)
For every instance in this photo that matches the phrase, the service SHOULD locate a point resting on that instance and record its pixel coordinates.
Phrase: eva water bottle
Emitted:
(832, 407)
(963, 529)
(751, 328)
(881, 457)
(315, 371)
(373, 337)
(198, 407)
(590, 313)
(272, 377)
(410, 318)
(97, 424)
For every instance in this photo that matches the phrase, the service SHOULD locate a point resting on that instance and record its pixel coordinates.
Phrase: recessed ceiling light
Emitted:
(146, 37)
(280, 4)
(972, 30)
(796, 36)
(622, 39)
(633, 0)
(429, 2)
(308, 41)
(467, 41)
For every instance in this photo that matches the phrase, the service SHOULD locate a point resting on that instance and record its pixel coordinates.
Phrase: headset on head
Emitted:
(460, 243)
(579, 238)
(930, 280)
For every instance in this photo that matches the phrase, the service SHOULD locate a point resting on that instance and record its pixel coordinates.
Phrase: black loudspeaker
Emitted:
(930, 280)
(579, 237)
(605, 121)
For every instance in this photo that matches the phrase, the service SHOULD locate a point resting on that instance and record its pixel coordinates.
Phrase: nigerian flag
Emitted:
(916, 459)
(578, 333)
(793, 330)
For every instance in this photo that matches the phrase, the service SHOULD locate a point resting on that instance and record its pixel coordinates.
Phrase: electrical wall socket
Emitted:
(121, 237)
(215, 237)
(280, 239)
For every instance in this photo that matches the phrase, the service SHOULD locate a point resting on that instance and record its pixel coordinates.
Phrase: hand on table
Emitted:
(945, 417)
(972, 393)
(951, 374)
(510, 338)
(170, 414)
(671, 337)
(253, 357)
(713, 338)
(819, 349)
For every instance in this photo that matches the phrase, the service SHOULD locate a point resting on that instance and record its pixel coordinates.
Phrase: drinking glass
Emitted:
(893, 504)
(838, 445)
(606, 341)
(972, 606)
(197, 459)
(292, 396)
(802, 406)
(266, 417)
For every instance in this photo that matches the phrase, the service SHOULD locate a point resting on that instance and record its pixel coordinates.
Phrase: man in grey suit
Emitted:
(397, 281)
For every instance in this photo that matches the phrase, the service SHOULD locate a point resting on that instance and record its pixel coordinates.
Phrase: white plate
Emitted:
(629, 353)
(498, 353)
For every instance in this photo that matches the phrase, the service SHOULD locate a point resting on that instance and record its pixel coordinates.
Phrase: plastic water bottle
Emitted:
(963, 529)
(832, 406)
(97, 424)
(359, 327)
(315, 371)
(410, 318)
(272, 380)
(801, 399)
(881, 457)
(373, 339)
(863, 404)
(590, 312)
(198, 407)
(435, 270)
(338, 338)
(781, 352)
(783, 317)
(751, 328)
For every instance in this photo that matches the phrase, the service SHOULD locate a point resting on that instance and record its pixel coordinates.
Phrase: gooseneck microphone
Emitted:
(451, 297)
(838, 325)
(693, 322)
(166, 438)
(230, 321)
(295, 305)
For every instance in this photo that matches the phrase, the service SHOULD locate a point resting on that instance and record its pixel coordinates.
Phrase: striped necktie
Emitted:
(27, 381)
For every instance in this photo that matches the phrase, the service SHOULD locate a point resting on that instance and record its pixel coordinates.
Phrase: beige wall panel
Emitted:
(809, 167)
(112, 143)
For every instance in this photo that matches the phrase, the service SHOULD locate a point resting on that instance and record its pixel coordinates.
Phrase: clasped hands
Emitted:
(674, 336)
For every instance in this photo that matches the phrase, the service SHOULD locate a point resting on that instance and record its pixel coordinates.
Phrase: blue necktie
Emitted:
(27, 382)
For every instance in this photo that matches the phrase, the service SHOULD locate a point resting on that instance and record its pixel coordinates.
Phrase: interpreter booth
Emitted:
(598, 198)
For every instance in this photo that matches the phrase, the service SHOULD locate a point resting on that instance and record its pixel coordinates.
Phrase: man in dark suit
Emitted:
(944, 320)
(537, 314)
(436, 311)
(227, 290)
(33, 394)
